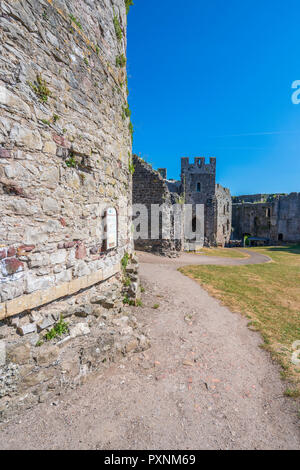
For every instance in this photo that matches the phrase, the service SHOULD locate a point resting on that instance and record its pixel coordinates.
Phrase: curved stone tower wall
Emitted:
(64, 147)
(65, 159)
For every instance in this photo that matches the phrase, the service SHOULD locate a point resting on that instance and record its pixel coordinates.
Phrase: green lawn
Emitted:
(223, 253)
(269, 294)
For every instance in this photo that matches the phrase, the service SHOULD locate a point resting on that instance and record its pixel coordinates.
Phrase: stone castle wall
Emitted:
(277, 220)
(204, 174)
(224, 217)
(64, 144)
(65, 147)
(288, 210)
(150, 188)
(196, 187)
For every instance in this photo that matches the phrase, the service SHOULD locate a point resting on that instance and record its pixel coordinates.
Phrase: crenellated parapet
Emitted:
(199, 165)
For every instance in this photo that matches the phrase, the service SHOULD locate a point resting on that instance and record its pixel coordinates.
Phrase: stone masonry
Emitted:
(150, 189)
(198, 181)
(197, 186)
(65, 150)
(274, 217)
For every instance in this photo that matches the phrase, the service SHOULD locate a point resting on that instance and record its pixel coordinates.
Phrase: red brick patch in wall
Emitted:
(10, 188)
(13, 265)
(63, 222)
(80, 251)
(11, 252)
(69, 245)
(4, 153)
(23, 249)
(60, 140)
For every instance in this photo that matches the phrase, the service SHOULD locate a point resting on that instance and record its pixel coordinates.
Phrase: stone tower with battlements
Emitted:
(198, 181)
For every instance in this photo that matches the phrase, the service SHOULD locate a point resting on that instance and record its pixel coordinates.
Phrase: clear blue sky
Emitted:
(213, 78)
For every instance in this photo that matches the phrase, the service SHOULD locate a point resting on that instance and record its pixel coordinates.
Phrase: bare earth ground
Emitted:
(204, 384)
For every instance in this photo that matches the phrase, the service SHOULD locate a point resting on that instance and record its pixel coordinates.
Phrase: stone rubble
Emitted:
(100, 330)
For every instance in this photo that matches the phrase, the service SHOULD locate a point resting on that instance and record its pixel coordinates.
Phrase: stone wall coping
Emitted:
(43, 297)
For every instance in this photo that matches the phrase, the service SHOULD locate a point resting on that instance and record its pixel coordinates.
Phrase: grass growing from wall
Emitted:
(128, 4)
(40, 88)
(118, 30)
(76, 21)
(268, 294)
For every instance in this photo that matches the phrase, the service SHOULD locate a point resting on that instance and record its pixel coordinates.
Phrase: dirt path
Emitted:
(204, 384)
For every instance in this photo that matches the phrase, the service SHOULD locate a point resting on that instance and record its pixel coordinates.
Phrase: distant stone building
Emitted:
(198, 183)
(150, 188)
(275, 217)
(196, 187)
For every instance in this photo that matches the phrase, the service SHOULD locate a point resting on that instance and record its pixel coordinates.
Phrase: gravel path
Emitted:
(204, 384)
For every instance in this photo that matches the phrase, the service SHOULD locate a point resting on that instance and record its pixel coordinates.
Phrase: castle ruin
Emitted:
(275, 218)
(197, 186)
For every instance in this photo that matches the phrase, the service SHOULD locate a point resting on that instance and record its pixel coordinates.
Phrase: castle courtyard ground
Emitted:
(204, 384)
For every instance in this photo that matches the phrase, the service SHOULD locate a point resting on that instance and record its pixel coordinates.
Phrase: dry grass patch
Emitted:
(224, 253)
(268, 294)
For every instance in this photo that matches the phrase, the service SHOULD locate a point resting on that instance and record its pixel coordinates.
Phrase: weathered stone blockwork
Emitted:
(274, 217)
(98, 332)
(150, 189)
(224, 215)
(199, 185)
(63, 143)
(196, 187)
(65, 147)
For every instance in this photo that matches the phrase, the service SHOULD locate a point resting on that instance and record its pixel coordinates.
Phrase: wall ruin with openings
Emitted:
(277, 220)
(224, 215)
(65, 146)
(150, 189)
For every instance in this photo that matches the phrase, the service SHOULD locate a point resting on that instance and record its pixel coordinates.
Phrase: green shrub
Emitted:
(131, 130)
(71, 162)
(58, 330)
(127, 301)
(76, 21)
(128, 4)
(131, 167)
(125, 260)
(121, 61)
(118, 30)
(40, 88)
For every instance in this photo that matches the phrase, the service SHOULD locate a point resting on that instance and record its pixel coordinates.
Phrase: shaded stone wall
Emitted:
(203, 174)
(224, 217)
(253, 219)
(256, 198)
(288, 210)
(278, 221)
(65, 146)
(149, 188)
(197, 187)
